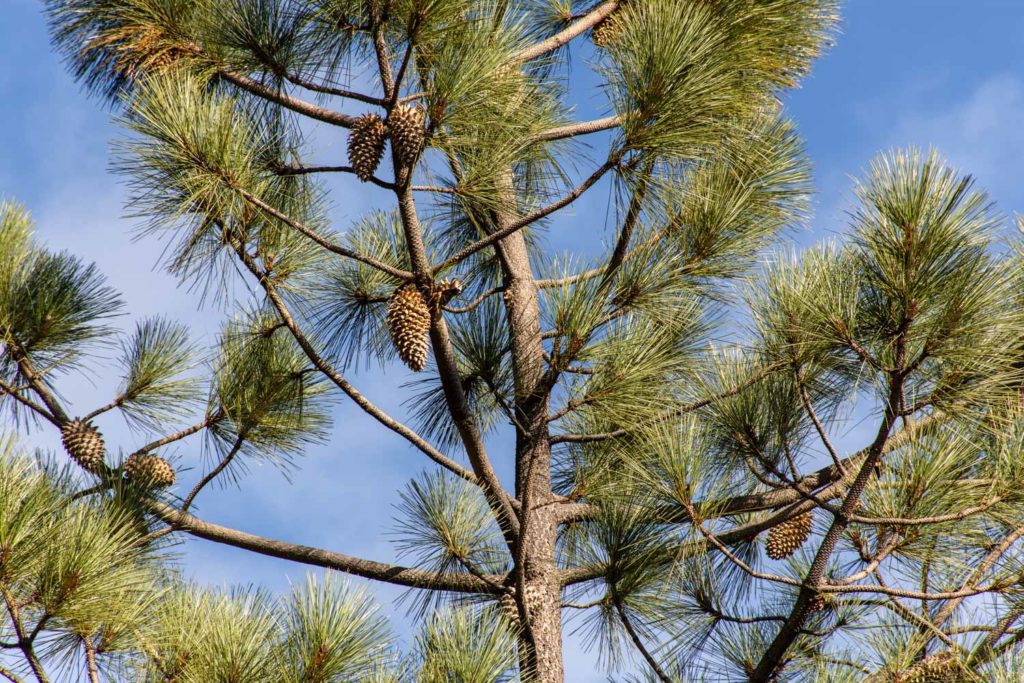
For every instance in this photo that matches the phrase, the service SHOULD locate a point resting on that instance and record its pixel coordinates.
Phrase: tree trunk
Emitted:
(536, 570)
(542, 646)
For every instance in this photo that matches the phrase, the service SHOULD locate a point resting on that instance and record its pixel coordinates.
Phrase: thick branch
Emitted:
(580, 128)
(309, 109)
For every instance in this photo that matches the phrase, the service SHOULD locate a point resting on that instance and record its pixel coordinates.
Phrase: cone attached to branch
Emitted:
(786, 538)
(84, 444)
(943, 667)
(149, 471)
(405, 127)
(366, 145)
(409, 325)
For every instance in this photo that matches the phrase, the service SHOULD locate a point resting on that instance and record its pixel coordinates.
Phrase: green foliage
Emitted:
(681, 415)
(155, 389)
(468, 645)
(74, 568)
(681, 73)
(197, 155)
(52, 306)
(272, 404)
(447, 527)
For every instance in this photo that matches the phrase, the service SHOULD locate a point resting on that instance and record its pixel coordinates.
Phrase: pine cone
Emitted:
(606, 31)
(405, 126)
(943, 667)
(784, 539)
(150, 471)
(409, 324)
(366, 145)
(84, 444)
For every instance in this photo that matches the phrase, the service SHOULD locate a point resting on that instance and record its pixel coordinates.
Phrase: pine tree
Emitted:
(652, 459)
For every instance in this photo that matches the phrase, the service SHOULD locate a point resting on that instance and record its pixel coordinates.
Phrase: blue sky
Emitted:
(942, 73)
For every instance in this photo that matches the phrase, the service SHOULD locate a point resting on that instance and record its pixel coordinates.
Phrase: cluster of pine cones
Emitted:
(409, 315)
(84, 443)
(366, 141)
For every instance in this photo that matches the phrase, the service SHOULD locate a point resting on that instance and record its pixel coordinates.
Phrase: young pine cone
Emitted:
(149, 471)
(366, 145)
(84, 444)
(409, 324)
(784, 539)
(943, 667)
(405, 127)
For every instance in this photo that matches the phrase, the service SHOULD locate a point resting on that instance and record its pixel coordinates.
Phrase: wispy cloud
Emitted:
(983, 134)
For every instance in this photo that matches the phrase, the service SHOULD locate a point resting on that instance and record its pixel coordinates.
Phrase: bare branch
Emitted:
(326, 244)
(581, 128)
(477, 301)
(13, 392)
(214, 473)
(184, 433)
(337, 92)
(521, 223)
(637, 641)
(393, 574)
(309, 109)
(308, 170)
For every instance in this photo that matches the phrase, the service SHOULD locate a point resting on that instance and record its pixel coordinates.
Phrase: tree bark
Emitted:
(536, 570)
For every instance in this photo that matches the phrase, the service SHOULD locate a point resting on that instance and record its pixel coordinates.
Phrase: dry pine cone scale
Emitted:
(84, 444)
(405, 128)
(943, 667)
(409, 317)
(786, 538)
(409, 325)
(366, 145)
(606, 31)
(150, 471)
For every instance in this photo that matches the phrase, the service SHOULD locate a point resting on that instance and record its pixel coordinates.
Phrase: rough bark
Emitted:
(536, 571)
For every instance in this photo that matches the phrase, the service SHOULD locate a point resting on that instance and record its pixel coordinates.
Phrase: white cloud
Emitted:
(982, 134)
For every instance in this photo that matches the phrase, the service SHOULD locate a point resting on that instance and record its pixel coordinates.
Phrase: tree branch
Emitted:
(309, 109)
(521, 223)
(331, 373)
(561, 38)
(637, 641)
(326, 244)
(308, 170)
(378, 571)
(580, 128)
